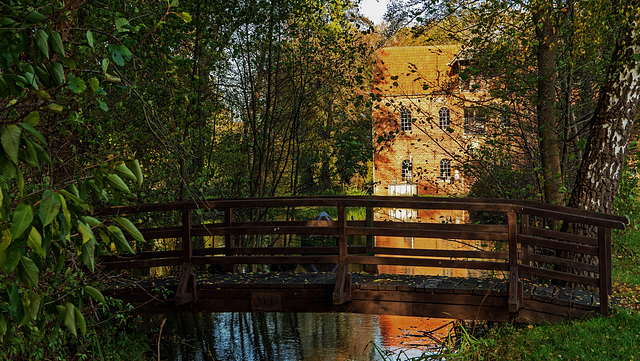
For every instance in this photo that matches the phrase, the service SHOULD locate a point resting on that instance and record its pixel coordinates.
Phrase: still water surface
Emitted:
(295, 336)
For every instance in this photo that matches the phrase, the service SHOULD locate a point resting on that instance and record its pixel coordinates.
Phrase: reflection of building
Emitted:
(425, 118)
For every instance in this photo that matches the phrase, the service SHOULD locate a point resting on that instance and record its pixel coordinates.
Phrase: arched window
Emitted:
(445, 168)
(407, 168)
(405, 120)
(443, 116)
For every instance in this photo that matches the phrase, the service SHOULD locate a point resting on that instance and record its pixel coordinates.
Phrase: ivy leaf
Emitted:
(49, 207)
(86, 232)
(82, 325)
(119, 239)
(115, 181)
(88, 253)
(69, 318)
(120, 54)
(56, 108)
(90, 40)
(94, 293)
(130, 228)
(134, 166)
(77, 85)
(94, 83)
(11, 141)
(22, 218)
(35, 242)
(31, 130)
(186, 17)
(29, 272)
(41, 41)
(56, 42)
(121, 24)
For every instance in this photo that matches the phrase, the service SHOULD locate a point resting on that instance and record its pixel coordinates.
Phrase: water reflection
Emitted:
(291, 336)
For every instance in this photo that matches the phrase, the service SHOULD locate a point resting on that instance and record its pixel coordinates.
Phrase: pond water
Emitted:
(296, 336)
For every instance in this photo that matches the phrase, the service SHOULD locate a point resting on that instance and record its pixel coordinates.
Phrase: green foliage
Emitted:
(50, 299)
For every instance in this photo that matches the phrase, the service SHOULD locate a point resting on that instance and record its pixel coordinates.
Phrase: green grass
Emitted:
(601, 338)
(626, 257)
(611, 338)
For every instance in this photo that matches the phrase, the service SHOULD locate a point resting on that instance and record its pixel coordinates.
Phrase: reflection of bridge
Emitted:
(534, 262)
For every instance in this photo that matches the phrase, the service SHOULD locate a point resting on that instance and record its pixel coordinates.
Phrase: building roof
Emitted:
(414, 69)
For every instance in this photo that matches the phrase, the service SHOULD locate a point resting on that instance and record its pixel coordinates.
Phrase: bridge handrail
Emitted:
(518, 233)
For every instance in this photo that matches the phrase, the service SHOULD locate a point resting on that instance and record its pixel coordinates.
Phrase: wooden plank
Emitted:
(514, 296)
(432, 226)
(485, 286)
(430, 284)
(571, 215)
(528, 207)
(448, 285)
(144, 263)
(563, 296)
(583, 299)
(370, 242)
(565, 246)
(439, 253)
(428, 262)
(417, 232)
(604, 256)
(543, 293)
(140, 256)
(467, 286)
(563, 262)
(265, 260)
(557, 310)
(563, 236)
(467, 312)
(557, 275)
(441, 298)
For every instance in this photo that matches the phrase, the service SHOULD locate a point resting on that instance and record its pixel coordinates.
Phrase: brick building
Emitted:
(425, 118)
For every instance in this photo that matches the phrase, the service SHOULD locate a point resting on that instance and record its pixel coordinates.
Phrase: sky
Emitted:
(373, 9)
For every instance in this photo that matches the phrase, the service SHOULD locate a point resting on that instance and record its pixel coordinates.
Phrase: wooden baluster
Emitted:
(604, 256)
(514, 287)
(187, 290)
(370, 268)
(228, 237)
(342, 289)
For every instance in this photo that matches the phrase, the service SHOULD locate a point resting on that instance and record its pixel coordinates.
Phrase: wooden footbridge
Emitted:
(516, 265)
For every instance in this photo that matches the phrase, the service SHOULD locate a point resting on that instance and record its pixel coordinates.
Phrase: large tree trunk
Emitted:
(547, 31)
(611, 127)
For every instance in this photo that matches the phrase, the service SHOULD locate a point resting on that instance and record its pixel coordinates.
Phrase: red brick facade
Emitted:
(424, 121)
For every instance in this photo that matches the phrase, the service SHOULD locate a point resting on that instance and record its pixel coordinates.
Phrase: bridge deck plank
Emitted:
(433, 296)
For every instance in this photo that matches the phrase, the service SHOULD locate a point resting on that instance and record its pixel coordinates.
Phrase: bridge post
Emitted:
(604, 258)
(228, 238)
(514, 280)
(187, 290)
(370, 268)
(342, 289)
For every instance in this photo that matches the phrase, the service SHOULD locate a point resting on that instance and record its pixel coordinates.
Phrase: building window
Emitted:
(406, 170)
(405, 120)
(474, 121)
(443, 116)
(445, 168)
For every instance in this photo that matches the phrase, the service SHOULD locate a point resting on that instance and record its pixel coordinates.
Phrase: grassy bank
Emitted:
(612, 338)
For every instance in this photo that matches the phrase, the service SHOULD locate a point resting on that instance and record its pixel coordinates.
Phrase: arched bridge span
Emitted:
(520, 259)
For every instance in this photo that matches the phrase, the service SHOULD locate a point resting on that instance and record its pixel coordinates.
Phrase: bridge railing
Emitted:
(521, 243)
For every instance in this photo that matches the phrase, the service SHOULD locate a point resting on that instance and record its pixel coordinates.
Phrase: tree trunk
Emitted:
(547, 35)
(611, 127)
